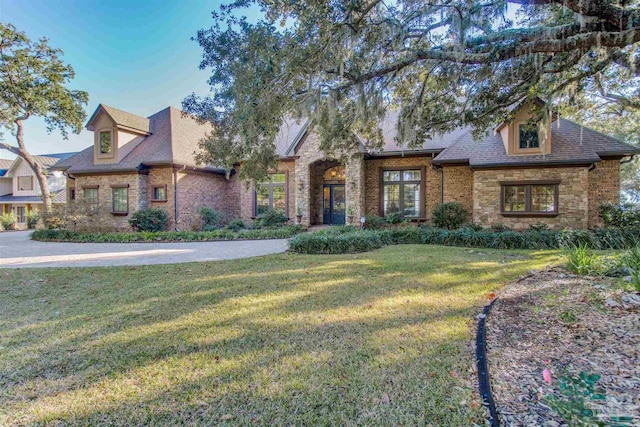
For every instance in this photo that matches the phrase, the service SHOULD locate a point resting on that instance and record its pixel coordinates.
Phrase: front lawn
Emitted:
(382, 338)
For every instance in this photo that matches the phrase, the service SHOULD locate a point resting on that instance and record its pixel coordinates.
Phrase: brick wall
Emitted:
(102, 219)
(372, 181)
(458, 186)
(197, 190)
(604, 186)
(573, 192)
(160, 177)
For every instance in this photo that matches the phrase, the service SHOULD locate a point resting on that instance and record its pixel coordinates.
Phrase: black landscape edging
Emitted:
(484, 382)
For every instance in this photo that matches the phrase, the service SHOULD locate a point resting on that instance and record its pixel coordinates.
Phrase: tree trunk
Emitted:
(35, 166)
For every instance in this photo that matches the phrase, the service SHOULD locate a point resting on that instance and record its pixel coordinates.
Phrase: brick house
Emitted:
(517, 175)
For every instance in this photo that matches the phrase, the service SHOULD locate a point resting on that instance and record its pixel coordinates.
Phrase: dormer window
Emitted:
(105, 144)
(528, 136)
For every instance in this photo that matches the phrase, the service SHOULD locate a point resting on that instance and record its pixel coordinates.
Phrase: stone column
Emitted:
(303, 191)
(354, 186)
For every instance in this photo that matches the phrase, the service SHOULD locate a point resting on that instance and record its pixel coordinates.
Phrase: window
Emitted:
(271, 194)
(528, 136)
(21, 214)
(91, 197)
(105, 142)
(530, 198)
(402, 192)
(159, 193)
(120, 200)
(25, 183)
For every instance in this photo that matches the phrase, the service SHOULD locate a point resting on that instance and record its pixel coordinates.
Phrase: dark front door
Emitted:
(334, 204)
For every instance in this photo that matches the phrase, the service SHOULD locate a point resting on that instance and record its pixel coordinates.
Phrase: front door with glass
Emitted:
(334, 204)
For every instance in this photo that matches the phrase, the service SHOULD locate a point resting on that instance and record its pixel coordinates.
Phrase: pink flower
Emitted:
(546, 374)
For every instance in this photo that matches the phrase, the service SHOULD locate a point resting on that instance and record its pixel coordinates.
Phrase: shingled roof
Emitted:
(121, 118)
(571, 144)
(173, 140)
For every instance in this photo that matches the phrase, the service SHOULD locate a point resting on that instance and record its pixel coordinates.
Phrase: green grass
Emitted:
(382, 338)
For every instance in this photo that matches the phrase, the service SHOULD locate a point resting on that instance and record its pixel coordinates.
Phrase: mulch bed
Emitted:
(568, 324)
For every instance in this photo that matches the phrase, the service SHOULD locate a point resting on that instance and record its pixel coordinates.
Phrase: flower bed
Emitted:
(350, 240)
(165, 236)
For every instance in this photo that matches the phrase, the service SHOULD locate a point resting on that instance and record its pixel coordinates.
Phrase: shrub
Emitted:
(32, 219)
(540, 226)
(53, 222)
(211, 219)
(8, 221)
(375, 222)
(619, 215)
(236, 225)
(499, 228)
(153, 219)
(271, 218)
(583, 261)
(631, 260)
(450, 215)
(323, 243)
(393, 218)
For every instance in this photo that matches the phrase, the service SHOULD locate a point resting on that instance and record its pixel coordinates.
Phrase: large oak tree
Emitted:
(32, 84)
(443, 64)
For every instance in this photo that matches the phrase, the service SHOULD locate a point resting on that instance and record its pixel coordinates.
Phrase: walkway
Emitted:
(17, 250)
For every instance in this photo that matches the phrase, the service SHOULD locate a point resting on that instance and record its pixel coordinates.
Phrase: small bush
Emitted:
(499, 228)
(8, 221)
(619, 215)
(583, 261)
(236, 225)
(541, 226)
(153, 219)
(271, 218)
(394, 218)
(319, 243)
(211, 219)
(450, 215)
(631, 260)
(375, 222)
(32, 219)
(53, 221)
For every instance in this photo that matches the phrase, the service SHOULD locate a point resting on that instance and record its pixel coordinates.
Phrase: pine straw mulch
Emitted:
(568, 324)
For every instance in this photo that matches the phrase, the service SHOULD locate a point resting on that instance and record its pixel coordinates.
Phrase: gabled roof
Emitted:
(571, 143)
(121, 119)
(5, 164)
(173, 140)
(44, 160)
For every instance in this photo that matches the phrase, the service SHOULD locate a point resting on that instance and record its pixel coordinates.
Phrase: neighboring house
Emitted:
(20, 190)
(516, 176)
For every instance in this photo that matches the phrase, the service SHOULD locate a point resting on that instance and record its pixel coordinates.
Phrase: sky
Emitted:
(135, 55)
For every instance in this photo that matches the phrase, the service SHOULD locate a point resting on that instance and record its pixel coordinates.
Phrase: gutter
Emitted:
(176, 210)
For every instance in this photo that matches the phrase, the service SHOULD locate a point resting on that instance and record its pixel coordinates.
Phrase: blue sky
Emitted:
(134, 55)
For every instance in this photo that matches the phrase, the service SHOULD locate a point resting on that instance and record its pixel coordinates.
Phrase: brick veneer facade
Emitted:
(573, 194)
(458, 186)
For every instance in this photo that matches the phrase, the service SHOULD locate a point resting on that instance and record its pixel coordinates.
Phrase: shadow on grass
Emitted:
(279, 339)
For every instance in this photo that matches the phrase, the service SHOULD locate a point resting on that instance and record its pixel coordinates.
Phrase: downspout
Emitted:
(439, 169)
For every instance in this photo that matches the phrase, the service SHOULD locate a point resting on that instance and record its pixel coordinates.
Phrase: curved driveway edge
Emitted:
(17, 250)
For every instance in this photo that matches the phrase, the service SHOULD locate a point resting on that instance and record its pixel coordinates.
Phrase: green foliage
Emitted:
(375, 222)
(53, 221)
(631, 260)
(211, 219)
(326, 243)
(394, 218)
(470, 237)
(445, 66)
(450, 215)
(153, 219)
(236, 225)
(8, 221)
(619, 215)
(541, 226)
(32, 219)
(165, 236)
(573, 402)
(271, 218)
(581, 260)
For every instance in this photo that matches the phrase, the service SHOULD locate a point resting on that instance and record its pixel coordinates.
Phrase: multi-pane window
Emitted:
(25, 183)
(401, 192)
(159, 193)
(528, 136)
(530, 198)
(21, 214)
(120, 199)
(271, 194)
(105, 142)
(91, 197)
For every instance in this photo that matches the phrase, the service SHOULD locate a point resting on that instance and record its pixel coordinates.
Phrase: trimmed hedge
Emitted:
(347, 241)
(165, 236)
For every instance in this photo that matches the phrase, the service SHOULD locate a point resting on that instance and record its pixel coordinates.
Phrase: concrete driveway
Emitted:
(17, 250)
